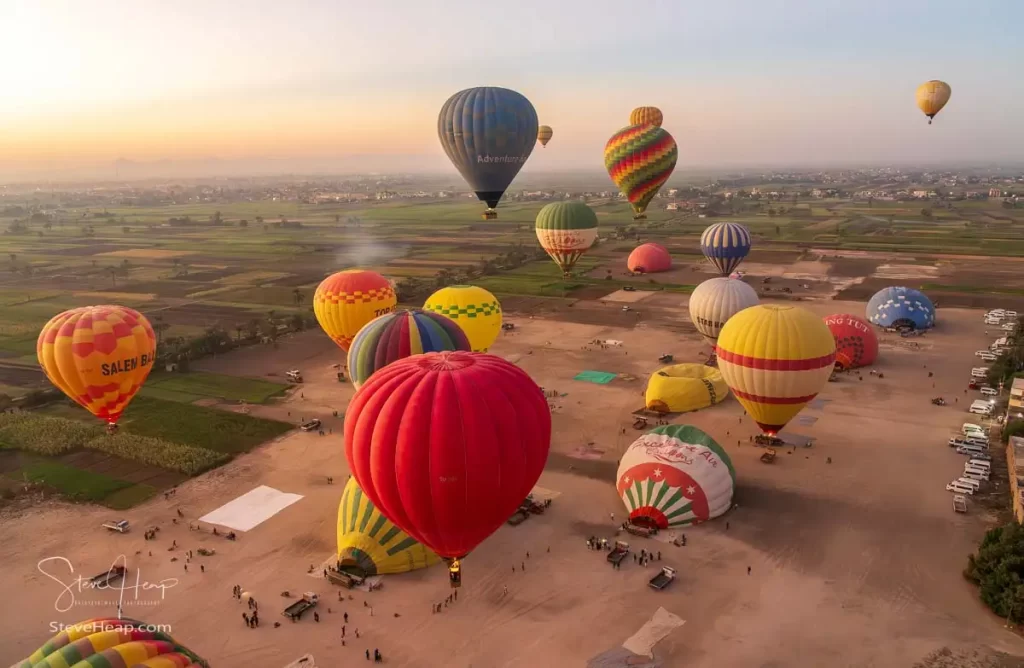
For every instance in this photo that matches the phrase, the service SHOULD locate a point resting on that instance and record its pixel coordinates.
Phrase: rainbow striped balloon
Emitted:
(112, 643)
(398, 335)
(640, 158)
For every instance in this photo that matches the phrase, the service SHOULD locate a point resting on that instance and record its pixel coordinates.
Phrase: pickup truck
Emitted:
(120, 526)
(106, 578)
(619, 553)
(662, 579)
(312, 425)
(299, 607)
(346, 580)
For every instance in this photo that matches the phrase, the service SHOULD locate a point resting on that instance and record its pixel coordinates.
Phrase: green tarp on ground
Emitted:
(598, 377)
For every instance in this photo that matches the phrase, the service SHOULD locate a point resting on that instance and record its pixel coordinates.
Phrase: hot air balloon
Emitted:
(398, 335)
(649, 259)
(544, 134)
(646, 116)
(932, 96)
(98, 355)
(775, 359)
(447, 446)
(856, 342)
(488, 133)
(682, 388)
(349, 299)
(900, 307)
(673, 476)
(716, 300)
(640, 158)
(475, 310)
(565, 231)
(725, 245)
(109, 642)
(369, 544)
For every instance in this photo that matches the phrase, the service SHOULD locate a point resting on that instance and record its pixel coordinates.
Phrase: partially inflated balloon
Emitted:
(109, 642)
(475, 310)
(98, 355)
(398, 335)
(447, 445)
(932, 96)
(775, 359)
(488, 133)
(640, 159)
(544, 134)
(725, 245)
(646, 116)
(856, 342)
(565, 231)
(716, 300)
(344, 302)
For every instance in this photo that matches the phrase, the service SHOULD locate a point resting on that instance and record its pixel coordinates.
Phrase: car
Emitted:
(1010, 314)
(989, 391)
(312, 425)
(625, 308)
(628, 288)
(1008, 327)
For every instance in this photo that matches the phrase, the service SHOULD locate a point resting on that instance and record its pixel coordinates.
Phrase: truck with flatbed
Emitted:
(301, 606)
(619, 552)
(108, 577)
(662, 579)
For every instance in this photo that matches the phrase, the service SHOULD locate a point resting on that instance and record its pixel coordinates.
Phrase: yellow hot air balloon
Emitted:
(932, 96)
(98, 355)
(349, 299)
(775, 359)
(544, 134)
(476, 311)
(369, 544)
(646, 116)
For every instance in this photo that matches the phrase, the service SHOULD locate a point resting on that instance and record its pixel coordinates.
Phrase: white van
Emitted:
(972, 450)
(979, 372)
(983, 457)
(980, 463)
(968, 427)
(970, 482)
(989, 391)
(959, 488)
(956, 442)
(976, 470)
(1007, 326)
(980, 476)
(1010, 314)
(977, 441)
(981, 410)
(988, 357)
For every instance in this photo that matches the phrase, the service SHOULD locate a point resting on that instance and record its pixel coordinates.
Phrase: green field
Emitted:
(196, 385)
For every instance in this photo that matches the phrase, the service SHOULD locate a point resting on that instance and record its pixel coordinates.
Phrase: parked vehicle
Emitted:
(970, 482)
(973, 472)
(979, 353)
(988, 357)
(959, 488)
(971, 450)
(959, 503)
(979, 372)
(662, 579)
(980, 410)
(968, 427)
(981, 463)
(989, 391)
(120, 526)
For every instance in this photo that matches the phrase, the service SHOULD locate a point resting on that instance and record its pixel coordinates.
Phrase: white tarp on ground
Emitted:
(251, 509)
(650, 634)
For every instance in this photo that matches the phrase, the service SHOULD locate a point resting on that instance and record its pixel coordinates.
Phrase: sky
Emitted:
(350, 85)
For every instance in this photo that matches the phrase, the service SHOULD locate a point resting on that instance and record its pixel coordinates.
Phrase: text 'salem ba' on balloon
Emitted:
(566, 230)
(856, 341)
(99, 356)
(344, 302)
(775, 360)
(639, 159)
(447, 445)
(725, 245)
(488, 133)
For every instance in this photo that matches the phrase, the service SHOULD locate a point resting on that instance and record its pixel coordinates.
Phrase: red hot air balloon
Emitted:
(447, 445)
(648, 259)
(856, 342)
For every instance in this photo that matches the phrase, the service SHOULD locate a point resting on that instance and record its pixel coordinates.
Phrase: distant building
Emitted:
(920, 194)
(672, 206)
(995, 192)
(1015, 461)
(1016, 404)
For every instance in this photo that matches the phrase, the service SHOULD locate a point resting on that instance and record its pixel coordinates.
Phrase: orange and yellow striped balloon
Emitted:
(646, 116)
(931, 97)
(349, 299)
(98, 355)
(775, 359)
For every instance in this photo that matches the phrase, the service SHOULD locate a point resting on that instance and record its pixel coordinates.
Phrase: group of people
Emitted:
(253, 620)
(452, 597)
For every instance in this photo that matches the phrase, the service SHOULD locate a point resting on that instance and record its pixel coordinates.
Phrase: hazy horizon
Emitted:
(201, 90)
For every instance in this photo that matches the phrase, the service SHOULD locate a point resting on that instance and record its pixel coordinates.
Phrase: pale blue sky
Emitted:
(740, 82)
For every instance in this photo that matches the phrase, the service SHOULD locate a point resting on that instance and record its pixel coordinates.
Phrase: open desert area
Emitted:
(856, 562)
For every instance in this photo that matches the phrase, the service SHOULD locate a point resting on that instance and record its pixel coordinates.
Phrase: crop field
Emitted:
(197, 385)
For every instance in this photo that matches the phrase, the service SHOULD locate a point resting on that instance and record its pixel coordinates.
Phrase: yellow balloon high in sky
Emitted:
(932, 96)
(349, 299)
(544, 134)
(98, 355)
(476, 311)
(775, 359)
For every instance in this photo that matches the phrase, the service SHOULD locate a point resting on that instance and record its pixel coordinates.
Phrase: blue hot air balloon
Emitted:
(488, 133)
(725, 245)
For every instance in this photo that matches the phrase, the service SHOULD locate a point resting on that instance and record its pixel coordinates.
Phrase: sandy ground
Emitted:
(854, 563)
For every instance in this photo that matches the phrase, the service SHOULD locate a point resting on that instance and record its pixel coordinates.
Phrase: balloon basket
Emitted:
(489, 215)
(640, 216)
(455, 574)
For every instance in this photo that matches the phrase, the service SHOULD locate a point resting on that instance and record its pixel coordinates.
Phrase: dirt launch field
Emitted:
(856, 562)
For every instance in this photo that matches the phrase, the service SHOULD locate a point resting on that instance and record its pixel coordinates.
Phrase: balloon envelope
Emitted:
(398, 335)
(99, 356)
(344, 302)
(370, 544)
(544, 134)
(775, 359)
(901, 307)
(488, 133)
(856, 342)
(447, 445)
(673, 476)
(640, 158)
(932, 96)
(725, 245)
(475, 310)
(649, 259)
(646, 116)
(108, 643)
(685, 387)
(565, 231)
(716, 300)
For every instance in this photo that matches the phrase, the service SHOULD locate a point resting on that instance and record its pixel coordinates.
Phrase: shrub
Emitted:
(186, 459)
(44, 435)
(998, 569)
